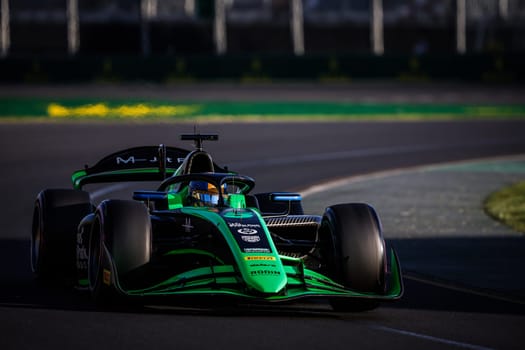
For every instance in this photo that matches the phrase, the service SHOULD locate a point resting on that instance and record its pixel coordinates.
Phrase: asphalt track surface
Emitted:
(358, 91)
(282, 156)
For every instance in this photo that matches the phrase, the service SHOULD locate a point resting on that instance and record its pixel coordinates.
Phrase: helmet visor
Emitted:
(205, 198)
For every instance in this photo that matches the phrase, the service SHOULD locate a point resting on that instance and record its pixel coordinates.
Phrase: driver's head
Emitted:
(203, 194)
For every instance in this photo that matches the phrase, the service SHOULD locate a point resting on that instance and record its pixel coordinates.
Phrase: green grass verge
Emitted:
(508, 206)
(61, 109)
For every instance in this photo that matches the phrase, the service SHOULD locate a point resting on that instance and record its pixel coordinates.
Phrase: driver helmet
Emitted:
(203, 194)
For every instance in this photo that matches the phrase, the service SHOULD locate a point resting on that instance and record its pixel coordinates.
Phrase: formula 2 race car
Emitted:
(202, 233)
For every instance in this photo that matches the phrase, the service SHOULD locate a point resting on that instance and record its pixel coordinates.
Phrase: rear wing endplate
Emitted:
(147, 163)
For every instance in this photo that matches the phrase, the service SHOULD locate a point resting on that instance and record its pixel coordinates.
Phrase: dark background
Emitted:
(118, 42)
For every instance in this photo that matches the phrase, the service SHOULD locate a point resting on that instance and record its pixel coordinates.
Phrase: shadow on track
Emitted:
(471, 274)
(20, 289)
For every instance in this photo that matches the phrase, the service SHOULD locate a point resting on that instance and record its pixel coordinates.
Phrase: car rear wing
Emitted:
(146, 163)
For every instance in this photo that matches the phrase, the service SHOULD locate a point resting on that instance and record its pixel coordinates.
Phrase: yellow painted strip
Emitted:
(101, 110)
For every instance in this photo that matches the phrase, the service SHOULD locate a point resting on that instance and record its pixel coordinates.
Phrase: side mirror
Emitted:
(149, 195)
(285, 197)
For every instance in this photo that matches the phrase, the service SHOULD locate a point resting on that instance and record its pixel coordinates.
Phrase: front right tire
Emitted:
(353, 252)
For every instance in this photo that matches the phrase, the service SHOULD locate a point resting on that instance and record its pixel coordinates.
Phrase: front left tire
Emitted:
(120, 242)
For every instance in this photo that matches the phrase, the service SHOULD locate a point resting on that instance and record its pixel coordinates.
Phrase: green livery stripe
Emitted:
(201, 277)
(77, 177)
(224, 280)
(61, 109)
(396, 279)
(80, 177)
(83, 283)
(195, 251)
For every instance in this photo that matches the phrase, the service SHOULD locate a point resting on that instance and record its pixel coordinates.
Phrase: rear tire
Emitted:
(56, 216)
(353, 252)
(120, 242)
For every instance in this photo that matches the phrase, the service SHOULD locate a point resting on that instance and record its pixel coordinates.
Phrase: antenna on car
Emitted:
(162, 160)
(198, 138)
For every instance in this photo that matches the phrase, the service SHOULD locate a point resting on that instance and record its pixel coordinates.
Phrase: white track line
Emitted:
(326, 186)
(363, 153)
(451, 286)
(430, 338)
(332, 184)
(344, 181)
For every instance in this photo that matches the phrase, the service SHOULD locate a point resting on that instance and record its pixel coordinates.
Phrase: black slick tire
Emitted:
(120, 242)
(56, 215)
(353, 251)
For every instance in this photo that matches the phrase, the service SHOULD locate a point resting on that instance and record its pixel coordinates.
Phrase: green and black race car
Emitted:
(202, 233)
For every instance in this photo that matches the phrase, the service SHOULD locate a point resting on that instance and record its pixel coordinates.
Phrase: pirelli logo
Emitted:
(260, 257)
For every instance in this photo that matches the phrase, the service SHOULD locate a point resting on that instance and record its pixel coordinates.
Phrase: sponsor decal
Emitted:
(263, 265)
(257, 250)
(260, 257)
(251, 239)
(106, 277)
(82, 258)
(265, 272)
(247, 231)
(250, 235)
(82, 254)
(133, 160)
(243, 225)
(187, 225)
